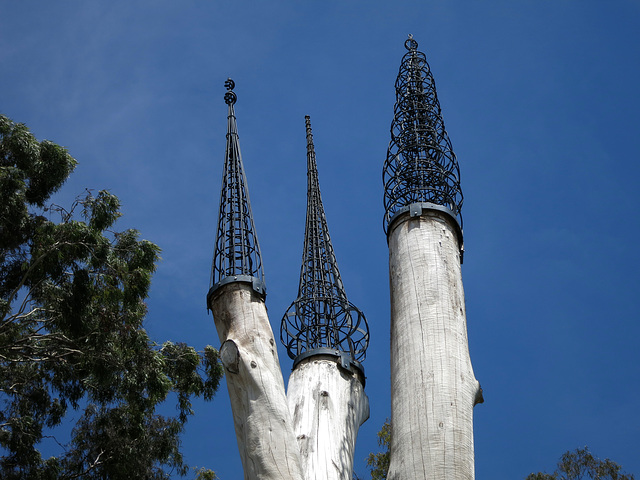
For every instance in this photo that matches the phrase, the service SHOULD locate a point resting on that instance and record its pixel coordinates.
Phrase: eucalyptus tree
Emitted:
(582, 465)
(378, 463)
(72, 305)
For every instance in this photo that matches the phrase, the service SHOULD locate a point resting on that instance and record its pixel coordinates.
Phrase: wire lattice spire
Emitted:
(321, 319)
(420, 166)
(236, 255)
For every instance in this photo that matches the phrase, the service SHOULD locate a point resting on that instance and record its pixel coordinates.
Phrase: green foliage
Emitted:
(205, 474)
(581, 464)
(379, 462)
(577, 465)
(72, 305)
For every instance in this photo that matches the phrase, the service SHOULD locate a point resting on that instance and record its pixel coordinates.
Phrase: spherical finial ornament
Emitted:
(230, 97)
(410, 43)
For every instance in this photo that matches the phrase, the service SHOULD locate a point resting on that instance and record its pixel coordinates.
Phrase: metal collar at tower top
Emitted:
(321, 320)
(236, 256)
(420, 167)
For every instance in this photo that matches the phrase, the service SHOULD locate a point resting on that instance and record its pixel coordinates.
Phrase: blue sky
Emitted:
(541, 103)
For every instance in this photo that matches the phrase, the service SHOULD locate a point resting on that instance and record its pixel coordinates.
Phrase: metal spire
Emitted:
(236, 257)
(321, 320)
(421, 169)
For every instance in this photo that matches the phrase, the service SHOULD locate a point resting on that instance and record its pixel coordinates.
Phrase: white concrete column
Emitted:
(264, 430)
(328, 405)
(433, 388)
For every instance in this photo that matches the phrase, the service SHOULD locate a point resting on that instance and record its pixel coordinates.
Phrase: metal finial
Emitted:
(321, 320)
(230, 97)
(410, 43)
(421, 167)
(236, 256)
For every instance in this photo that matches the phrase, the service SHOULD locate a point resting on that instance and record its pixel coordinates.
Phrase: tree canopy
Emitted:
(72, 305)
(582, 465)
(378, 463)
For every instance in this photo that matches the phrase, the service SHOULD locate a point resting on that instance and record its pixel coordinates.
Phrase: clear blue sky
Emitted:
(540, 100)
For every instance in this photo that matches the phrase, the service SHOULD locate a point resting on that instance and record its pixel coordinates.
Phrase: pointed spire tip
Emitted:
(236, 256)
(420, 166)
(321, 320)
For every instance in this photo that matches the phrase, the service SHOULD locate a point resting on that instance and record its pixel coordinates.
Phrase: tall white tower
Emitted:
(433, 387)
(327, 337)
(263, 426)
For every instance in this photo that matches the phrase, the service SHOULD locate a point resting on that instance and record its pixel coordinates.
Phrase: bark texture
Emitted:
(433, 388)
(264, 430)
(328, 404)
